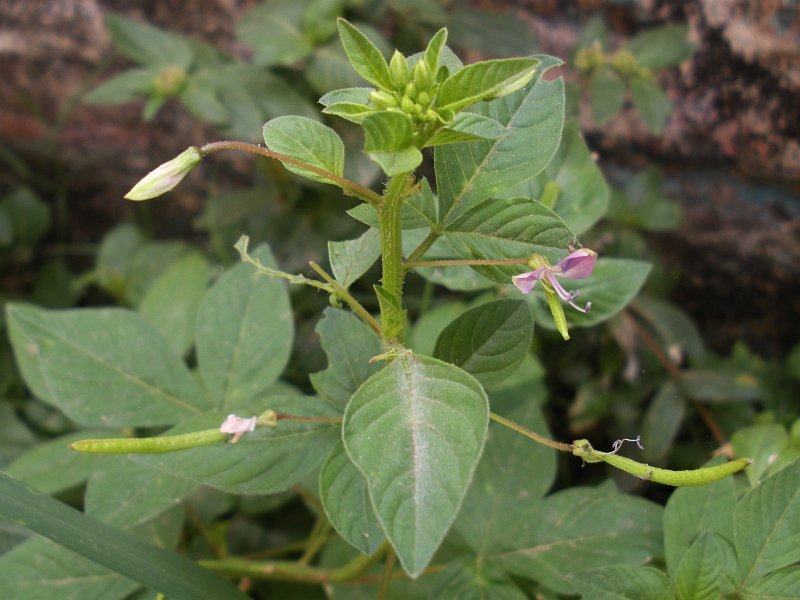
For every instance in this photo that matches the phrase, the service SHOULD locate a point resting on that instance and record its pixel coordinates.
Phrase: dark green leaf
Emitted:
(582, 190)
(348, 344)
(485, 80)
(661, 47)
(489, 341)
(343, 491)
(651, 102)
(508, 228)
(780, 585)
(148, 45)
(28, 216)
(707, 570)
(606, 94)
(328, 69)
(103, 367)
(623, 583)
(274, 30)
(534, 116)
(767, 525)
(125, 87)
(244, 333)
(416, 430)
(468, 127)
(661, 422)
(366, 59)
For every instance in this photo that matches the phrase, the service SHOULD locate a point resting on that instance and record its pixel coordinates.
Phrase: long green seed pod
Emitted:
(583, 449)
(153, 445)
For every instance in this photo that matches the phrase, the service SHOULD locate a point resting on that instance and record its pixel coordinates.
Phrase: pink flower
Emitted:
(577, 265)
(238, 426)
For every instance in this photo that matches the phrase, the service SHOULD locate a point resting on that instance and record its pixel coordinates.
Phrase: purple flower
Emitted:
(577, 265)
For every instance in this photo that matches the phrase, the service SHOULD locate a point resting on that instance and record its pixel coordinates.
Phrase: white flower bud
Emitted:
(165, 177)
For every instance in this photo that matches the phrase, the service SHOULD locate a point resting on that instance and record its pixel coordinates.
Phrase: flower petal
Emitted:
(577, 265)
(526, 281)
(237, 426)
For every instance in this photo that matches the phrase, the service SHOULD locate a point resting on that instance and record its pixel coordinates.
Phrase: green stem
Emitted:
(342, 293)
(463, 262)
(531, 434)
(348, 187)
(293, 571)
(392, 255)
(424, 246)
(241, 248)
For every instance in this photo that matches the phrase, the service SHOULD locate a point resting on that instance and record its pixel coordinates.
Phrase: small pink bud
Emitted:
(238, 426)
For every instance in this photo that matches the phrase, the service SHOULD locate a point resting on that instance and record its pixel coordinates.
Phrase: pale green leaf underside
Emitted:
(416, 430)
(483, 80)
(103, 367)
(350, 259)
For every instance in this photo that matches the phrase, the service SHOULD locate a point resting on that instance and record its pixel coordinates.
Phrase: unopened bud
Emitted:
(165, 177)
(407, 104)
(422, 75)
(423, 98)
(383, 99)
(430, 115)
(410, 90)
(398, 70)
(169, 82)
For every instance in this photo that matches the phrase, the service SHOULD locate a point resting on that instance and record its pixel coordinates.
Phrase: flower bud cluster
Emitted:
(414, 92)
(622, 61)
(169, 82)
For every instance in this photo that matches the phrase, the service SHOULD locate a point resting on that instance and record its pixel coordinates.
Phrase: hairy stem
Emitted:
(342, 293)
(348, 187)
(531, 434)
(392, 254)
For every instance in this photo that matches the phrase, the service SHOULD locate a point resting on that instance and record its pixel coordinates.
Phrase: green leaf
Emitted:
(309, 141)
(396, 162)
(767, 525)
(416, 430)
(488, 341)
(169, 573)
(28, 216)
(468, 127)
(490, 32)
(351, 111)
(707, 569)
(534, 116)
(508, 228)
(582, 190)
(115, 255)
(353, 95)
(476, 582)
(172, 302)
(485, 80)
(352, 258)
(462, 278)
(266, 461)
(651, 102)
(126, 494)
(597, 527)
(387, 130)
(348, 344)
(661, 47)
(644, 204)
(148, 45)
(418, 210)
(366, 59)
(51, 467)
(125, 87)
(244, 332)
(102, 367)
(506, 492)
(623, 583)
(606, 94)
(762, 444)
(661, 421)
(343, 491)
(328, 69)
(693, 510)
(202, 100)
(672, 325)
(429, 325)
(780, 585)
(274, 30)
(719, 385)
(612, 285)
